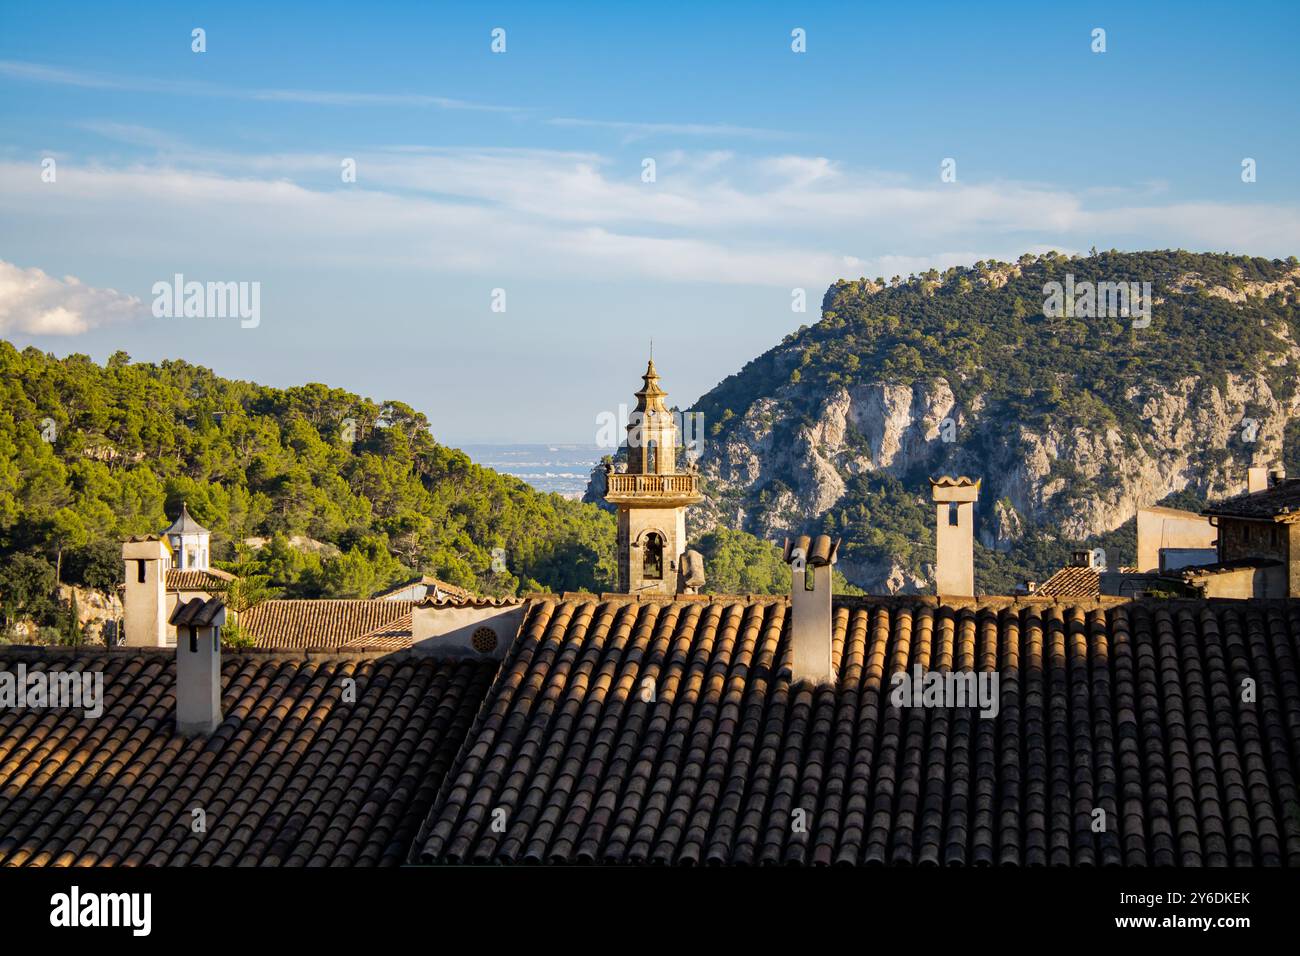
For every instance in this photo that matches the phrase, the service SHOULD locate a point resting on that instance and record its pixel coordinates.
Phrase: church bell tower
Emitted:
(652, 497)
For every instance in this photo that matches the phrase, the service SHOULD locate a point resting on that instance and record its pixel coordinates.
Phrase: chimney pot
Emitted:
(811, 619)
(198, 665)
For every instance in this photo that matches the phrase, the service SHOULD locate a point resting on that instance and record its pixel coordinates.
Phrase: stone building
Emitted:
(1259, 541)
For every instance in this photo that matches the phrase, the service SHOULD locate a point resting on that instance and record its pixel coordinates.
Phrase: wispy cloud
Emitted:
(501, 213)
(630, 130)
(40, 73)
(36, 303)
(634, 131)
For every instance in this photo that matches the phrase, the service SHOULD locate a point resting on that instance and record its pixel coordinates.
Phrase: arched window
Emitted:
(650, 463)
(653, 569)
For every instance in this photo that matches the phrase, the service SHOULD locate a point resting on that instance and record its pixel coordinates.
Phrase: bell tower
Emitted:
(652, 497)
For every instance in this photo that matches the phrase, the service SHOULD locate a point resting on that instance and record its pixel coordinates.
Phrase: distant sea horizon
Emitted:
(561, 467)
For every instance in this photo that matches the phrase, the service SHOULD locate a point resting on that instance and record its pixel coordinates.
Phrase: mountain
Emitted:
(1072, 422)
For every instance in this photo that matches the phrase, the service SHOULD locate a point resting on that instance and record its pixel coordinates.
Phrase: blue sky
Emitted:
(522, 171)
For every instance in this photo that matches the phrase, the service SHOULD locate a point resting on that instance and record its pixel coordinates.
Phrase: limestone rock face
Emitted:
(784, 470)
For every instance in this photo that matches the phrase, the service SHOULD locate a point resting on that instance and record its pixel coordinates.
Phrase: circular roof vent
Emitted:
(484, 640)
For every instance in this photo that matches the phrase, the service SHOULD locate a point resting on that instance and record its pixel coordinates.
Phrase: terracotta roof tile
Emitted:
(213, 579)
(330, 623)
(196, 612)
(817, 551)
(623, 731)
(295, 775)
(1072, 582)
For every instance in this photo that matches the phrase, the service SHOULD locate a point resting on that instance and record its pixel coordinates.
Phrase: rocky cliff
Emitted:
(1072, 424)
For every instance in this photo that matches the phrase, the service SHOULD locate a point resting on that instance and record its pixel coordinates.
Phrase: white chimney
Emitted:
(144, 598)
(811, 622)
(1257, 479)
(198, 665)
(954, 534)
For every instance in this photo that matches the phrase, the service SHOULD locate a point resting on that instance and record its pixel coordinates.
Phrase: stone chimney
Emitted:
(954, 534)
(198, 665)
(811, 623)
(144, 599)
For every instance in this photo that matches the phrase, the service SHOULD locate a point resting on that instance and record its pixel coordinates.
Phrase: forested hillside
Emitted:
(310, 491)
(91, 454)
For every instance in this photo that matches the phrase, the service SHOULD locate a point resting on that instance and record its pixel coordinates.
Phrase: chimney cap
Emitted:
(818, 552)
(954, 489)
(197, 612)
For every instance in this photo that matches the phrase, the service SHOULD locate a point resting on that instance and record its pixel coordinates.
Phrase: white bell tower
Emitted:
(189, 543)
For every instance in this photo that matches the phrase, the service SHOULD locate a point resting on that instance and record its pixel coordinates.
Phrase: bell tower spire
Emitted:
(651, 431)
(652, 497)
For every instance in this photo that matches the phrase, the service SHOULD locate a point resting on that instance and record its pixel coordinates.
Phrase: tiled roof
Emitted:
(213, 579)
(294, 775)
(1076, 581)
(474, 600)
(310, 623)
(1072, 582)
(1281, 502)
(393, 636)
(669, 732)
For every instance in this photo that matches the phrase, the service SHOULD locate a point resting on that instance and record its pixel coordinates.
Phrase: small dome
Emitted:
(185, 524)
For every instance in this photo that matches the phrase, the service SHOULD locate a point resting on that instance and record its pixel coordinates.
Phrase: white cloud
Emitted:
(711, 217)
(39, 304)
